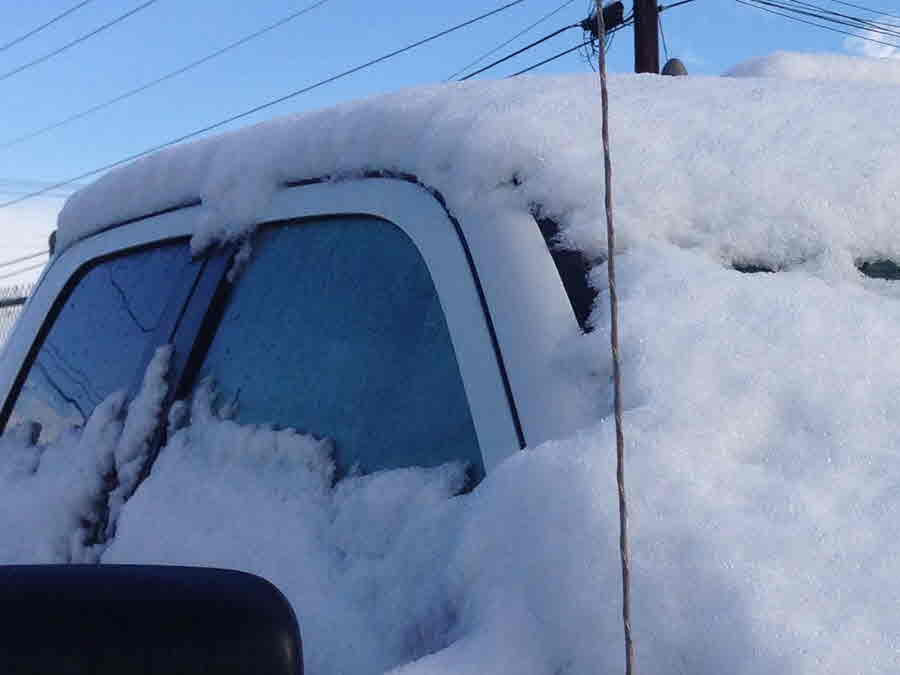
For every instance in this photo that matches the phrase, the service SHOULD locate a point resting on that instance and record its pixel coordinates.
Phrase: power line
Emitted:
(268, 104)
(609, 33)
(24, 258)
(822, 14)
(819, 12)
(866, 9)
(519, 51)
(510, 40)
(663, 8)
(76, 41)
(44, 25)
(758, 4)
(52, 195)
(662, 34)
(552, 58)
(22, 271)
(168, 76)
(12, 186)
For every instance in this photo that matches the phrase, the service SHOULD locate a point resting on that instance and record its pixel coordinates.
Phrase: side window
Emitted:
(100, 337)
(335, 329)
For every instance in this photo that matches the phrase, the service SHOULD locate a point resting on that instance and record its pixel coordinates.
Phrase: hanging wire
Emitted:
(46, 24)
(792, 13)
(546, 61)
(264, 106)
(76, 41)
(519, 51)
(662, 34)
(509, 41)
(24, 258)
(162, 78)
(29, 268)
(614, 347)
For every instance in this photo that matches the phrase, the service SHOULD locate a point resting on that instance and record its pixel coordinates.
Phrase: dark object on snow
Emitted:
(880, 269)
(674, 67)
(143, 620)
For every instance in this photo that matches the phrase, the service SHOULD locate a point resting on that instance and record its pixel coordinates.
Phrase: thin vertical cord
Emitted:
(614, 344)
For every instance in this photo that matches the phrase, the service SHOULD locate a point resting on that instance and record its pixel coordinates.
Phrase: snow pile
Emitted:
(55, 507)
(827, 67)
(763, 480)
(387, 568)
(358, 562)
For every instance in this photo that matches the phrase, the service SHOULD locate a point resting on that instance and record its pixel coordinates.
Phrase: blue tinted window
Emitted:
(100, 338)
(335, 329)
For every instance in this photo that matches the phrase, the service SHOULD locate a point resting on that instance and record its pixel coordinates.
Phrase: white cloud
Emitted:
(862, 44)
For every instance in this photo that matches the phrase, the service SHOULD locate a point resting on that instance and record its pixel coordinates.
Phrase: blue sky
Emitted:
(709, 35)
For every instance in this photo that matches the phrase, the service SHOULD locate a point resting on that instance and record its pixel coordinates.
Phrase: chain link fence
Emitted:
(12, 299)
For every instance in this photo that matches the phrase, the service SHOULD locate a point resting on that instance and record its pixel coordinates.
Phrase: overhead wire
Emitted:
(522, 32)
(519, 51)
(662, 34)
(267, 104)
(23, 270)
(552, 58)
(766, 7)
(610, 33)
(866, 9)
(163, 78)
(24, 258)
(76, 41)
(819, 12)
(13, 186)
(663, 8)
(46, 24)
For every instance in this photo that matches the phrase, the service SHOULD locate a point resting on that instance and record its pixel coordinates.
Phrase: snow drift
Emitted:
(761, 409)
(826, 67)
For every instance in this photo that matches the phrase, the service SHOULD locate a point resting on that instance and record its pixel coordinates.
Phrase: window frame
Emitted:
(444, 249)
(439, 239)
(56, 284)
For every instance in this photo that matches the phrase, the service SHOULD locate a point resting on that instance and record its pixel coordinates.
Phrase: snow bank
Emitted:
(827, 67)
(358, 562)
(761, 423)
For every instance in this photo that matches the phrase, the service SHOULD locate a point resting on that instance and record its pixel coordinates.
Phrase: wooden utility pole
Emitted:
(646, 36)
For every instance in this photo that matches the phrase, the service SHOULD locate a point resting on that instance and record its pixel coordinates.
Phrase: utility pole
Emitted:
(646, 36)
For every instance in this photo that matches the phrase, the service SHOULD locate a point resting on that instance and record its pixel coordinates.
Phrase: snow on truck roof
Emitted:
(749, 169)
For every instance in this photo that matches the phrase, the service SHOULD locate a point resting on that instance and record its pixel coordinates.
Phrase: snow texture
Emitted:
(741, 169)
(826, 67)
(55, 499)
(760, 409)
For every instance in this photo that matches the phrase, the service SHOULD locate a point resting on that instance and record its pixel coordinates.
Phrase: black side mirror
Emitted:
(144, 620)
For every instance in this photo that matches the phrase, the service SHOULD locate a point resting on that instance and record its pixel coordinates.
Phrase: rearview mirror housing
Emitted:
(144, 620)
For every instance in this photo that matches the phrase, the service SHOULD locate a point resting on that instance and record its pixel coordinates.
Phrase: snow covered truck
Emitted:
(362, 352)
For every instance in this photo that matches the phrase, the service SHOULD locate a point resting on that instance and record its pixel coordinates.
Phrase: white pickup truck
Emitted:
(315, 348)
